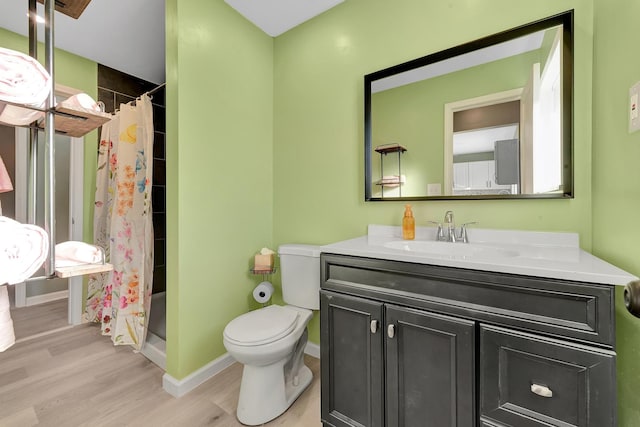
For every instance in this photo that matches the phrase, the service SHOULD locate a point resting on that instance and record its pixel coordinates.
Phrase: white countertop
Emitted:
(539, 254)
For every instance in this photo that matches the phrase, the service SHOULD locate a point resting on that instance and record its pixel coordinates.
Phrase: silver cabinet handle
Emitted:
(541, 390)
(374, 326)
(391, 331)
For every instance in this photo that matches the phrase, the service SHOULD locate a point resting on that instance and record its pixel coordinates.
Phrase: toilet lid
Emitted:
(261, 326)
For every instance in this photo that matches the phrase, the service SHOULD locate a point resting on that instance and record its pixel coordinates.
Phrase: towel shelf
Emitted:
(69, 120)
(81, 270)
(72, 8)
(78, 122)
(73, 122)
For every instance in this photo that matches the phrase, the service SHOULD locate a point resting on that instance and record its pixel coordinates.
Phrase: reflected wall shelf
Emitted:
(396, 180)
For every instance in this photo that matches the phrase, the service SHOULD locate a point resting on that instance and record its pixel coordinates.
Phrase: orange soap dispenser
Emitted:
(408, 224)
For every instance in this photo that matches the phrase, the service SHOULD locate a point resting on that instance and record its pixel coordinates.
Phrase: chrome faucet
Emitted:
(448, 233)
(451, 226)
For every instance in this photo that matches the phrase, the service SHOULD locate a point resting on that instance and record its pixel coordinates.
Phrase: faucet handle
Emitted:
(439, 232)
(463, 231)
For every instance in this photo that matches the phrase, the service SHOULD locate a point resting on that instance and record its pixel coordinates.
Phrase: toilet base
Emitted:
(264, 394)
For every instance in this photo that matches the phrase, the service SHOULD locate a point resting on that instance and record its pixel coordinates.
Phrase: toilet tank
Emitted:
(300, 272)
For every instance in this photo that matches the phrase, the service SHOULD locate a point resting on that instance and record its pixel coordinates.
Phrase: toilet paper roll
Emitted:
(262, 293)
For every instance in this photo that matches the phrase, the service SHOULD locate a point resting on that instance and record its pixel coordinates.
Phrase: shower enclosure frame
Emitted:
(76, 198)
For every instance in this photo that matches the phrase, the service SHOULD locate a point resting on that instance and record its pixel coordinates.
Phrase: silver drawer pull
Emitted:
(374, 326)
(391, 331)
(541, 390)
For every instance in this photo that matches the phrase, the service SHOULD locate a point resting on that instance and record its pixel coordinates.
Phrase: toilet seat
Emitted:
(261, 326)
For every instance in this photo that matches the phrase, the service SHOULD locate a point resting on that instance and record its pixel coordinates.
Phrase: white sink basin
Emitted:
(447, 249)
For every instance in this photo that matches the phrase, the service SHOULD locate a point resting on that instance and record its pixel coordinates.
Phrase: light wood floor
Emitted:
(37, 319)
(76, 377)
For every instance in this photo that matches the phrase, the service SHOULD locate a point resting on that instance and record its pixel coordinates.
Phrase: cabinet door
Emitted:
(351, 347)
(479, 175)
(493, 177)
(507, 162)
(528, 380)
(460, 176)
(430, 369)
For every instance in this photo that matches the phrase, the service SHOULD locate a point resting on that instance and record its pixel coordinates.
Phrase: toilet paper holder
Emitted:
(263, 299)
(263, 292)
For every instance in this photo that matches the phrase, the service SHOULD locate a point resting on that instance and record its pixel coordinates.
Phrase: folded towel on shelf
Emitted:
(7, 335)
(23, 249)
(73, 253)
(23, 81)
(20, 116)
(392, 179)
(81, 101)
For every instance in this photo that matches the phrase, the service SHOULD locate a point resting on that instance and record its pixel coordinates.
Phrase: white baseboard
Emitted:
(178, 388)
(312, 349)
(155, 349)
(52, 296)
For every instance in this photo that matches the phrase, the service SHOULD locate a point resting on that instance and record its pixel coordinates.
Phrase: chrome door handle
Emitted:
(374, 326)
(541, 390)
(391, 331)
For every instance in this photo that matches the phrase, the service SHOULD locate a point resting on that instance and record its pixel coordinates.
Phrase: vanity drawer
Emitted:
(528, 380)
(561, 308)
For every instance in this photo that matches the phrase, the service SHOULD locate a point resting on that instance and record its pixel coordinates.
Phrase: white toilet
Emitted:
(270, 341)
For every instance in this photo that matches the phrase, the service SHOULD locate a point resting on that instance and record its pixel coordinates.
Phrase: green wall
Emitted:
(219, 173)
(318, 134)
(616, 177)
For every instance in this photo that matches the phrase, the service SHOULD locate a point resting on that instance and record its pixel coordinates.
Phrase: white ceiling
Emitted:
(482, 140)
(461, 62)
(275, 17)
(128, 35)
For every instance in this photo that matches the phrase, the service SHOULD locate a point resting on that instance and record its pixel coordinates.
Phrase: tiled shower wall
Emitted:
(115, 88)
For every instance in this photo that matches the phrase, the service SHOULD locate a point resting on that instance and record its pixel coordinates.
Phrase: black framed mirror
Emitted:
(488, 119)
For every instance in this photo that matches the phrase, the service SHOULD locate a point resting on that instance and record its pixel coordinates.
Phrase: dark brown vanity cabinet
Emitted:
(408, 345)
(394, 366)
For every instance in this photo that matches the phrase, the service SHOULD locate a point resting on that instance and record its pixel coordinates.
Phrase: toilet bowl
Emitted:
(270, 341)
(267, 389)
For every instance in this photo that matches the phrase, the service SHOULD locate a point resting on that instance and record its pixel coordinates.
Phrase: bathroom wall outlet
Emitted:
(634, 116)
(434, 189)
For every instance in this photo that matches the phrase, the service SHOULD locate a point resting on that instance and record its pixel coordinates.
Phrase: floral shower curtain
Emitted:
(121, 299)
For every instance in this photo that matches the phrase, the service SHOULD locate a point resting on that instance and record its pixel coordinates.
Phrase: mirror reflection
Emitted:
(488, 119)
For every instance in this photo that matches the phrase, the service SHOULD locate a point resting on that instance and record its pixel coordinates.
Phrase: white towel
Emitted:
(22, 79)
(23, 249)
(81, 101)
(19, 116)
(7, 335)
(76, 253)
(25, 82)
